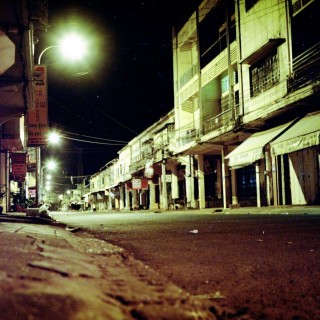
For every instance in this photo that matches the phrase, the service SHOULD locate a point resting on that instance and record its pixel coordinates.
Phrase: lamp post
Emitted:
(73, 47)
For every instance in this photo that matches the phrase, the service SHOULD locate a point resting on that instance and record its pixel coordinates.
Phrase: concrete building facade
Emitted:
(244, 130)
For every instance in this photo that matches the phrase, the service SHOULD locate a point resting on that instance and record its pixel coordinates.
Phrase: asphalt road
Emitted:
(266, 265)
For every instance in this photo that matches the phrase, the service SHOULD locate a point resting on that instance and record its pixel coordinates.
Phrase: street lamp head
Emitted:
(73, 47)
(54, 137)
(51, 165)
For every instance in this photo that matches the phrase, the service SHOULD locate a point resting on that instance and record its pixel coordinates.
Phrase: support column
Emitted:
(127, 196)
(267, 177)
(258, 184)
(121, 191)
(275, 184)
(134, 199)
(174, 183)
(190, 184)
(283, 181)
(234, 188)
(164, 186)
(225, 178)
(110, 200)
(201, 182)
(152, 195)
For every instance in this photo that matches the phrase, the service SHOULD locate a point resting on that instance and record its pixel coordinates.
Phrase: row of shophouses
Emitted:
(245, 126)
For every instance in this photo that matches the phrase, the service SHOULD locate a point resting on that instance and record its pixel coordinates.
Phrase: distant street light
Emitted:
(50, 165)
(54, 137)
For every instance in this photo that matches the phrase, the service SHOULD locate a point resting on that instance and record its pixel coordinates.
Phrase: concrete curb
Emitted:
(51, 273)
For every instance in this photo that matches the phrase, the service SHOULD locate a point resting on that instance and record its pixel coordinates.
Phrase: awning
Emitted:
(303, 134)
(263, 51)
(251, 149)
(11, 144)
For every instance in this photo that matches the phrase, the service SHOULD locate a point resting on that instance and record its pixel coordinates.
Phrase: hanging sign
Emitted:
(38, 113)
(19, 164)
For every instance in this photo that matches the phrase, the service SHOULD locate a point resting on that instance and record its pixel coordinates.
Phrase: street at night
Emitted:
(264, 265)
(159, 160)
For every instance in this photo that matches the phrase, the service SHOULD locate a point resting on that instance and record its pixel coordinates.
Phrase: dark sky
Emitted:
(129, 83)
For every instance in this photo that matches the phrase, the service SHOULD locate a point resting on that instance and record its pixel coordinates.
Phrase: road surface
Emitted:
(263, 264)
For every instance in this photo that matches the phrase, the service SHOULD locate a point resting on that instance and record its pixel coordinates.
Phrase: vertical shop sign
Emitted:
(144, 184)
(19, 164)
(38, 115)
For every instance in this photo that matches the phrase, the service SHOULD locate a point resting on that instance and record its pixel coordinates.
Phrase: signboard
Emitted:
(144, 184)
(136, 184)
(38, 115)
(18, 164)
(32, 193)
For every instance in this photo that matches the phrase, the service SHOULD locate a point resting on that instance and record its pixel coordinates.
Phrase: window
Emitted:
(225, 81)
(250, 4)
(264, 74)
(225, 84)
(213, 31)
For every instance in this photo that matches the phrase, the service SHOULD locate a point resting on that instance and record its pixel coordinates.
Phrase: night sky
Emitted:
(128, 81)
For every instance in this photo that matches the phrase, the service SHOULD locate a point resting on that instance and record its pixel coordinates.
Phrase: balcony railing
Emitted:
(188, 75)
(217, 121)
(306, 68)
(187, 136)
(140, 163)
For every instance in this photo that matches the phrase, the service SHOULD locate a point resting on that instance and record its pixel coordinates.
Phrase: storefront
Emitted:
(297, 158)
(250, 164)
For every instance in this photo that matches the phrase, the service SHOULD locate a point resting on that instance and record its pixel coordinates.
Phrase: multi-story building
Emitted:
(245, 126)
(20, 22)
(133, 181)
(245, 72)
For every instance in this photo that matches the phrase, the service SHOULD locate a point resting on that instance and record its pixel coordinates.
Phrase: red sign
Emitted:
(19, 164)
(138, 184)
(38, 115)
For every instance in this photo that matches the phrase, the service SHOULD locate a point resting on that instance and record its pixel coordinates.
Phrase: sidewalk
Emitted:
(47, 272)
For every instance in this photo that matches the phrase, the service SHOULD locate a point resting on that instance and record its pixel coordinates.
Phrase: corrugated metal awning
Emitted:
(251, 149)
(303, 134)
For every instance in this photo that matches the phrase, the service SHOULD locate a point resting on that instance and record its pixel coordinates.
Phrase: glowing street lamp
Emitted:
(54, 137)
(50, 165)
(72, 46)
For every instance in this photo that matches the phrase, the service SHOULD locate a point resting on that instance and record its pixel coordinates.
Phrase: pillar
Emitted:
(164, 186)
(121, 191)
(225, 178)
(275, 184)
(283, 181)
(234, 188)
(201, 182)
(134, 199)
(258, 184)
(267, 177)
(127, 197)
(191, 203)
(174, 183)
(152, 195)
(110, 200)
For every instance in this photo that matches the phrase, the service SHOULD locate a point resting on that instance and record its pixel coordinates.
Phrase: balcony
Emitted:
(306, 69)
(217, 121)
(140, 162)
